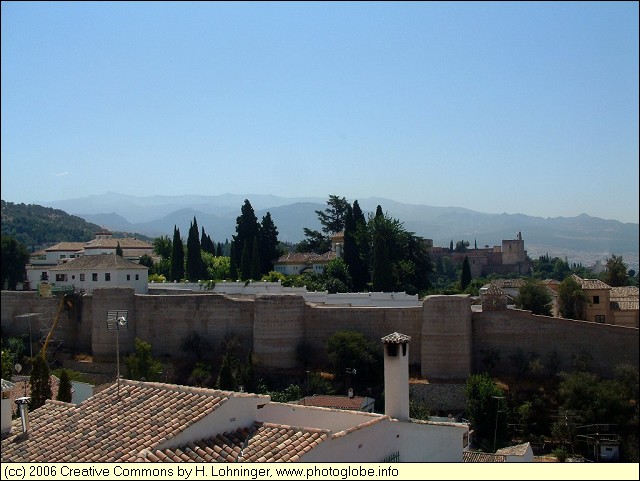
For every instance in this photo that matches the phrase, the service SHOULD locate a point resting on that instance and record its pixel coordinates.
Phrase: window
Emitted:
(94, 276)
(44, 276)
(82, 277)
(600, 319)
(128, 277)
(107, 276)
(137, 277)
(61, 277)
(596, 299)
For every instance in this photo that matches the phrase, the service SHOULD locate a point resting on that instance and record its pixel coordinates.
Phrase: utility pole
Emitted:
(495, 433)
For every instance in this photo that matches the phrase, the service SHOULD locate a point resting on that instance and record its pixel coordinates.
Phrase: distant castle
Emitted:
(510, 258)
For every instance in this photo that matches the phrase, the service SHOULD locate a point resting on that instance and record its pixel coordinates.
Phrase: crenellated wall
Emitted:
(448, 340)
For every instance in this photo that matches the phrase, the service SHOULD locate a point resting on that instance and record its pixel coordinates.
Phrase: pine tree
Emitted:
(64, 389)
(40, 383)
(177, 256)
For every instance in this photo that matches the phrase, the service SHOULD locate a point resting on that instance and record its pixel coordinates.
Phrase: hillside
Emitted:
(36, 226)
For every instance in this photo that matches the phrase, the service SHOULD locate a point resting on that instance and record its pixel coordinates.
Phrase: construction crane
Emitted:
(66, 302)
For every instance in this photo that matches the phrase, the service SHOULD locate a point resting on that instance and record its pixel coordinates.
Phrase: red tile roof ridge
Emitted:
(297, 428)
(362, 425)
(59, 403)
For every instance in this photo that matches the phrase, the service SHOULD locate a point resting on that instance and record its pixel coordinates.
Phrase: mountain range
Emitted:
(582, 239)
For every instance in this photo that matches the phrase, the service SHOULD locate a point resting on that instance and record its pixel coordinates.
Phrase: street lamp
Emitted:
(495, 434)
(117, 320)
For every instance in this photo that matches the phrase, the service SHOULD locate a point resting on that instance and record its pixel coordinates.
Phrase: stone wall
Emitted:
(448, 341)
(511, 330)
(446, 337)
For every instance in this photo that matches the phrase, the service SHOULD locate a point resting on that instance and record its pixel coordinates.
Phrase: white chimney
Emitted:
(396, 375)
(23, 408)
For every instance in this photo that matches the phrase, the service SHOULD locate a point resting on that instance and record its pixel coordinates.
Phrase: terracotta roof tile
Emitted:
(97, 261)
(338, 402)
(590, 283)
(261, 442)
(396, 338)
(475, 457)
(107, 429)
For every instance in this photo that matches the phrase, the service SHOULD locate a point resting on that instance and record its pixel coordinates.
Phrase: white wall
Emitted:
(6, 415)
(313, 417)
(118, 279)
(236, 412)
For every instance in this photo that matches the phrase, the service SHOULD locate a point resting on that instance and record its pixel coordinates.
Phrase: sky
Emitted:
(520, 107)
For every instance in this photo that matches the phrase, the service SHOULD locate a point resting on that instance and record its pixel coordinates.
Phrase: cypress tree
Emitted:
(382, 272)
(64, 389)
(119, 250)
(233, 265)
(465, 276)
(177, 256)
(195, 265)
(247, 229)
(226, 377)
(255, 262)
(245, 263)
(268, 244)
(363, 276)
(219, 250)
(40, 383)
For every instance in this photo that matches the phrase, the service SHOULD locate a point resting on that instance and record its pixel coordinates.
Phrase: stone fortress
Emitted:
(449, 340)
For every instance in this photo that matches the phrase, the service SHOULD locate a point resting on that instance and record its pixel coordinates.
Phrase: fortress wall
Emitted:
(70, 329)
(103, 341)
(278, 330)
(446, 337)
(510, 330)
(165, 321)
(374, 322)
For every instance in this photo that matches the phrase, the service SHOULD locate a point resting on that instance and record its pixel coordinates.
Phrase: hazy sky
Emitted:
(497, 107)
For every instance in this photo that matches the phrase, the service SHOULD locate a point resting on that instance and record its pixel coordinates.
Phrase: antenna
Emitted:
(117, 320)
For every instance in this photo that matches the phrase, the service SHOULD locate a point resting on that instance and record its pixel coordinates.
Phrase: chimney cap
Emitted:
(396, 338)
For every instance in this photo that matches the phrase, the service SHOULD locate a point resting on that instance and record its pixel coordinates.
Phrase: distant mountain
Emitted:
(581, 239)
(36, 226)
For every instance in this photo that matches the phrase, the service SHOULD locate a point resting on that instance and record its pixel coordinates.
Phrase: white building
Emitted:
(87, 273)
(40, 264)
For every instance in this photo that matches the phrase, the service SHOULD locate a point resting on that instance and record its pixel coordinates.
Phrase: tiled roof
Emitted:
(475, 457)
(112, 243)
(108, 428)
(590, 283)
(625, 298)
(508, 283)
(261, 442)
(337, 402)
(517, 450)
(66, 246)
(396, 338)
(97, 261)
(494, 290)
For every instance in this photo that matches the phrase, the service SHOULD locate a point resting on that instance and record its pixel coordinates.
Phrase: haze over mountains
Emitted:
(582, 239)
